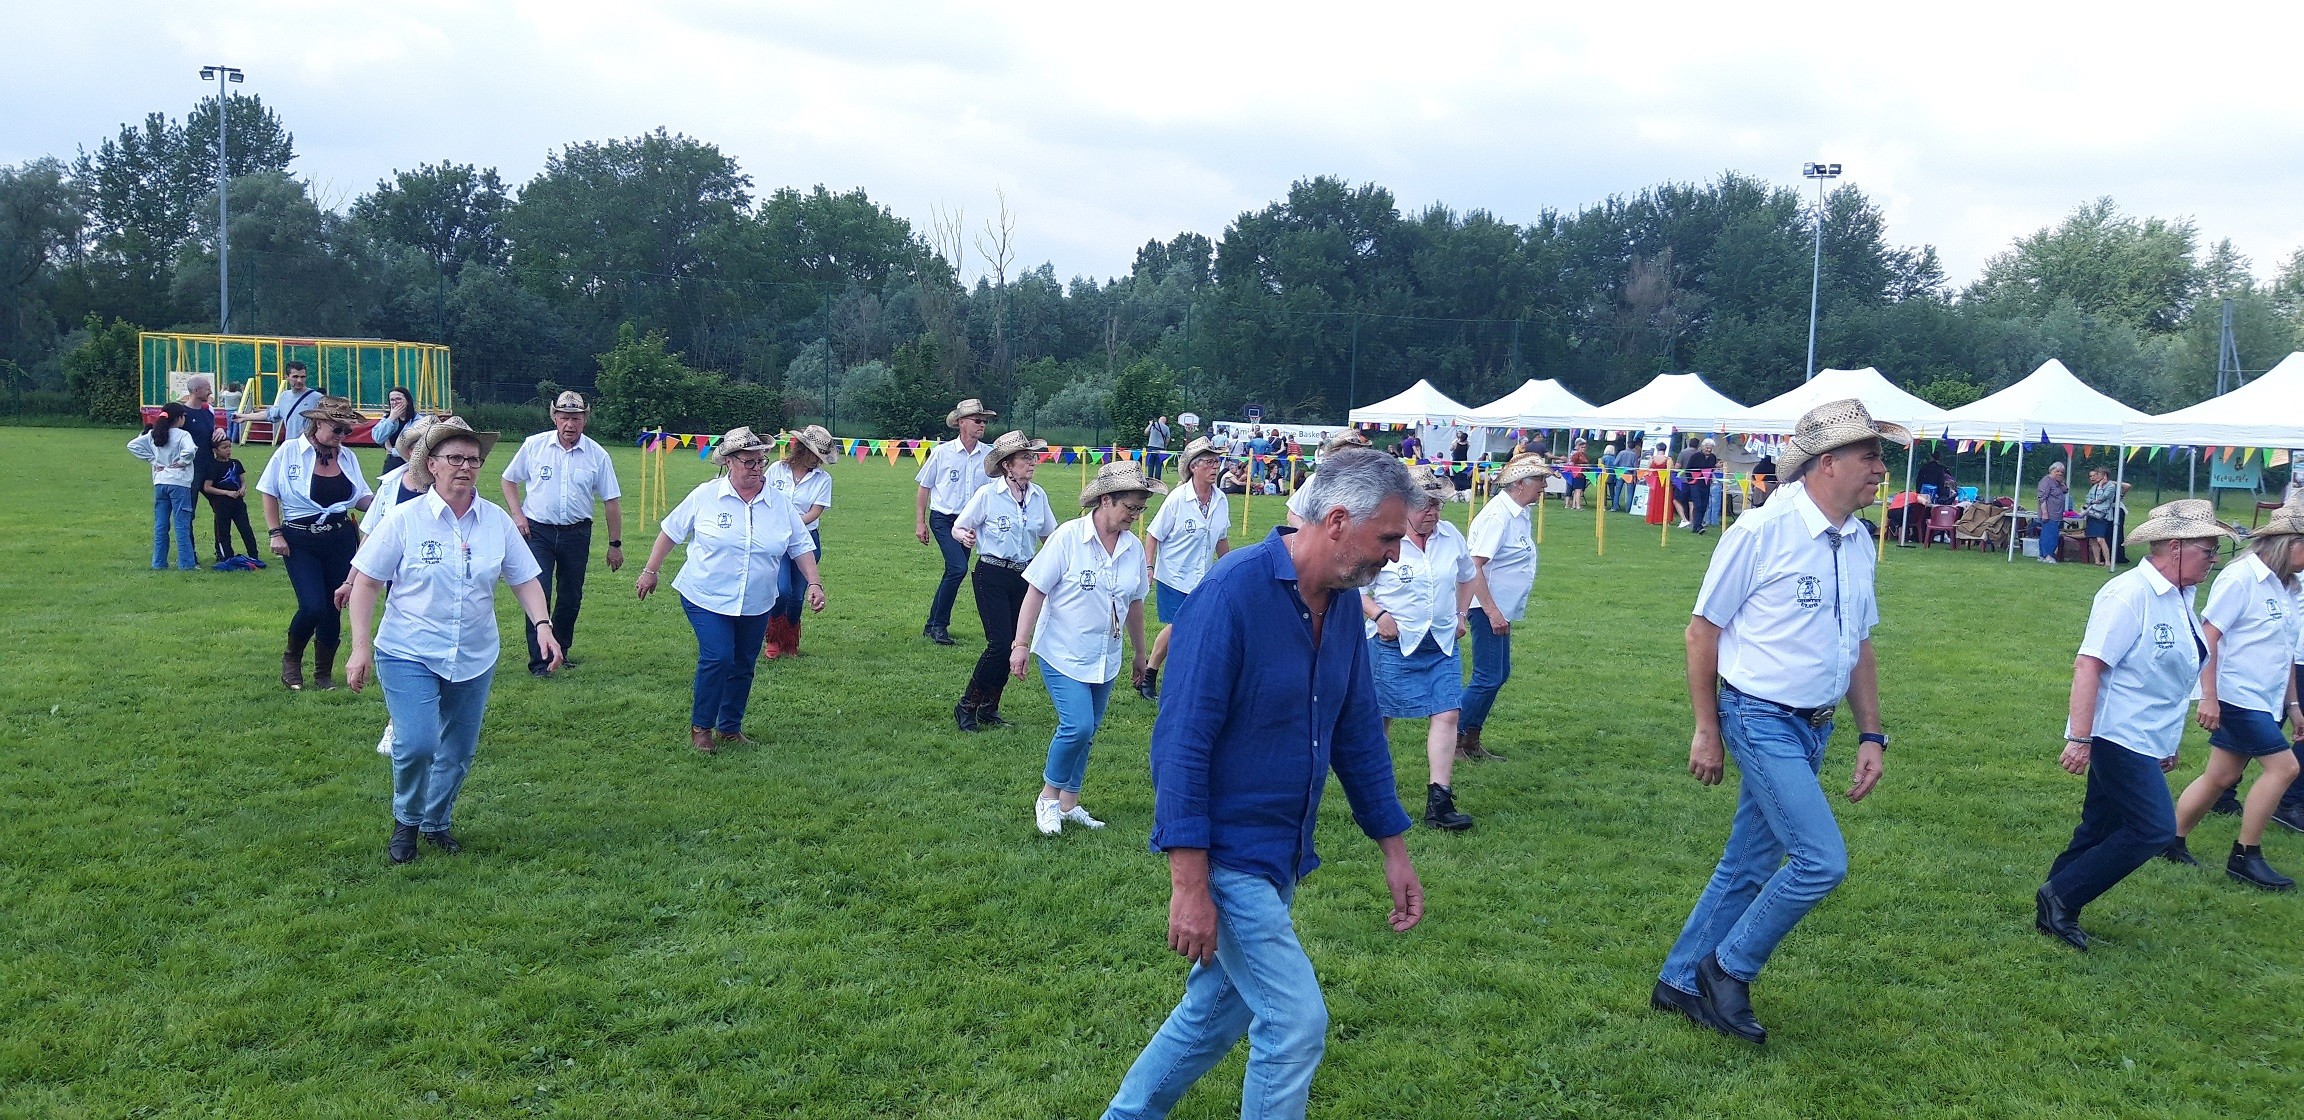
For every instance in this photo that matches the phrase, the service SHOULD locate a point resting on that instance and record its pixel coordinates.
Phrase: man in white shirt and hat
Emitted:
(947, 480)
(1781, 633)
(566, 471)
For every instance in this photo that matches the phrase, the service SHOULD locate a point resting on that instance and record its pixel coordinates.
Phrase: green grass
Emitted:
(856, 918)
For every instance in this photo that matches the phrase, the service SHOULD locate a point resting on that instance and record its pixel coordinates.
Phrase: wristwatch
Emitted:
(615, 544)
(1875, 738)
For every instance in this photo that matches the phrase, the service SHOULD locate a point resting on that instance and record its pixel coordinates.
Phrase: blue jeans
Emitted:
(435, 727)
(1261, 986)
(172, 507)
(955, 568)
(792, 587)
(1491, 667)
(2051, 530)
(727, 648)
(2127, 819)
(1784, 851)
(1079, 709)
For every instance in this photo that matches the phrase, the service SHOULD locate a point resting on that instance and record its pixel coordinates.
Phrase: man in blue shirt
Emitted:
(1270, 690)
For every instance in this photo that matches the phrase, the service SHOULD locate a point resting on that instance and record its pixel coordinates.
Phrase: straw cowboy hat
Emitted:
(1008, 446)
(2289, 518)
(407, 445)
(570, 401)
(1338, 441)
(1194, 450)
(739, 440)
(2185, 519)
(1829, 427)
(967, 408)
(1119, 477)
(815, 440)
(452, 428)
(333, 410)
(1522, 467)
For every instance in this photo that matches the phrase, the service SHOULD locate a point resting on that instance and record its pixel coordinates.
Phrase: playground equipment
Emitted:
(362, 370)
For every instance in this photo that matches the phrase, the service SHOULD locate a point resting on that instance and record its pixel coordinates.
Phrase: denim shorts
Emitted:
(2099, 528)
(1415, 685)
(1166, 602)
(2246, 731)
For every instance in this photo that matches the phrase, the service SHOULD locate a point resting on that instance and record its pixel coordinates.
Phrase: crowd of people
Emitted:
(1275, 663)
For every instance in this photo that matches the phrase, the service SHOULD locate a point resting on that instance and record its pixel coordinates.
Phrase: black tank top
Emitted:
(330, 489)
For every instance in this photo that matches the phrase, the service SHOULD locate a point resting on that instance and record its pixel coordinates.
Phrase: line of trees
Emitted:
(655, 260)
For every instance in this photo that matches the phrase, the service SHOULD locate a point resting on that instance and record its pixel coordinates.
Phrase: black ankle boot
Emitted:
(2247, 866)
(1440, 809)
(2176, 852)
(964, 713)
(2227, 805)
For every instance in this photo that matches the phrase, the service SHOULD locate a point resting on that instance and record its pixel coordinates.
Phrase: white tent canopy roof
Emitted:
(1778, 415)
(2049, 404)
(2266, 412)
(1680, 401)
(1418, 404)
(1535, 404)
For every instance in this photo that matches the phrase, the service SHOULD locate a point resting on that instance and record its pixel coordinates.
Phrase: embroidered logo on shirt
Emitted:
(2163, 635)
(726, 521)
(295, 472)
(2272, 608)
(544, 474)
(429, 552)
(1088, 579)
(1000, 523)
(1808, 591)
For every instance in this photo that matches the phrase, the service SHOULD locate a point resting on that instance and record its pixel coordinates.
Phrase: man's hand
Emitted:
(520, 520)
(1407, 891)
(2075, 757)
(2210, 715)
(1705, 758)
(615, 559)
(1191, 911)
(1868, 757)
(920, 530)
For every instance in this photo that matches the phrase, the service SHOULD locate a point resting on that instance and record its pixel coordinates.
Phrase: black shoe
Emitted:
(1149, 688)
(2247, 866)
(988, 719)
(2178, 853)
(940, 635)
(2050, 917)
(1725, 1003)
(964, 714)
(445, 841)
(2290, 817)
(539, 671)
(1440, 810)
(1668, 998)
(403, 846)
(2227, 805)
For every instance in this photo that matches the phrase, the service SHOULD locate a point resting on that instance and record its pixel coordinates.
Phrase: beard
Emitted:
(1363, 574)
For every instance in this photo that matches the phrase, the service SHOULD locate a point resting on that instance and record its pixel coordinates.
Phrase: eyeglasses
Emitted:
(753, 461)
(461, 462)
(1133, 508)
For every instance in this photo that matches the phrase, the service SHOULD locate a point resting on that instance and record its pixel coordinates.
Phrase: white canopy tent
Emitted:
(1535, 404)
(1433, 414)
(1671, 402)
(2266, 412)
(1778, 415)
(2049, 405)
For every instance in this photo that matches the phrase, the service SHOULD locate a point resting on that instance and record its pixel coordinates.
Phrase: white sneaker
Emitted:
(1684, 525)
(384, 745)
(1079, 815)
(1048, 814)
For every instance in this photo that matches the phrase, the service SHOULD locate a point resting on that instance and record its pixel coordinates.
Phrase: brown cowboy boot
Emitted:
(1469, 747)
(701, 739)
(323, 667)
(292, 667)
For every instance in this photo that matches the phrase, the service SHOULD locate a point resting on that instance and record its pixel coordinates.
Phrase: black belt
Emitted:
(1813, 717)
(1011, 565)
(557, 525)
(322, 523)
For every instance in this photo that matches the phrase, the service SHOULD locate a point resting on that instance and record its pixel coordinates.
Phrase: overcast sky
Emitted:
(1971, 123)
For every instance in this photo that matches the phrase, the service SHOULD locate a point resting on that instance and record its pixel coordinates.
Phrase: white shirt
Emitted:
(288, 477)
(804, 494)
(1006, 528)
(1793, 614)
(736, 549)
(1088, 590)
(288, 411)
(1187, 532)
(171, 461)
(387, 499)
(1420, 588)
(952, 473)
(2141, 626)
(1502, 536)
(443, 569)
(2256, 615)
(562, 481)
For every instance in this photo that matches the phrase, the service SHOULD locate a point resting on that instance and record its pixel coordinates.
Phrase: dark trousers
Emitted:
(1155, 460)
(1699, 502)
(231, 512)
(2127, 819)
(999, 599)
(955, 568)
(791, 586)
(562, 552)
(318, 564)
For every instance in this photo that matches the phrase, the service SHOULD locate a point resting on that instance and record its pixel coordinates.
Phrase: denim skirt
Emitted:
(1166, 602)
(2246, 731)
(2099, 528)
(1415, 685)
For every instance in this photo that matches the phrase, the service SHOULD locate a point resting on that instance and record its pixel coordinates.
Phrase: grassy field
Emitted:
(856, 918)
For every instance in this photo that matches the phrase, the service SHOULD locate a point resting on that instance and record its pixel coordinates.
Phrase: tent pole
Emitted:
(2016, 495)
(2192, 474)
(2119, 510)
(1911, 455)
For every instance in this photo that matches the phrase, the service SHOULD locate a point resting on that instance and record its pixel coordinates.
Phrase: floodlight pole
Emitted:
(1819, 172)
(223, 74)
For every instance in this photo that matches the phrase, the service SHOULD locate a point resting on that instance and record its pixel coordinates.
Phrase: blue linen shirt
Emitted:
(1252, 718)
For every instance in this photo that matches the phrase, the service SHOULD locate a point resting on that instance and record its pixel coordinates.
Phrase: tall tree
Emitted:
(40, 222)
(453, 213)
(2139, 271)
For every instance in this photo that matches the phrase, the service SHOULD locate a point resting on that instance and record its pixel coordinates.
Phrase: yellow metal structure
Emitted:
(361, 369)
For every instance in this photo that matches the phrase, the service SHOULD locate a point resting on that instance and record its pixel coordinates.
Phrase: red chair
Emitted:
(1941, 522)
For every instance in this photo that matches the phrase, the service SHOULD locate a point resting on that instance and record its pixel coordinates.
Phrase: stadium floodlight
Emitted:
(1819, 172)
(220, 75)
